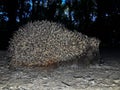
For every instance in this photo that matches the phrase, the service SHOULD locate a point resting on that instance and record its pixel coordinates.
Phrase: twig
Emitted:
(65, 83)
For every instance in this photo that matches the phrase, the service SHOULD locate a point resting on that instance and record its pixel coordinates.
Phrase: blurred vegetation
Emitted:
(99, 18)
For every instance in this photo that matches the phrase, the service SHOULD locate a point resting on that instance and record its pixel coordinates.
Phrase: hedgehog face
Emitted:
(94, 42)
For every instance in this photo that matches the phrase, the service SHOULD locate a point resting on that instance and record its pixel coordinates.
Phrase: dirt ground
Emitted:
(94, 77)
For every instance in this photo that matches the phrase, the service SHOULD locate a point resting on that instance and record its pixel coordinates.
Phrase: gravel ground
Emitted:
(94, 77)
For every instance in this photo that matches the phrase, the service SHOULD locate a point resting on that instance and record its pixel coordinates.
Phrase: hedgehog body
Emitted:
(43, 43)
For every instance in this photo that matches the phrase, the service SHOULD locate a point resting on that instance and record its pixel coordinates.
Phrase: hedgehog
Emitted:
(44, 43)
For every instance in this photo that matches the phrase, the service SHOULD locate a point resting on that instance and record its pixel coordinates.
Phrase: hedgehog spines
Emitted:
(42, 43)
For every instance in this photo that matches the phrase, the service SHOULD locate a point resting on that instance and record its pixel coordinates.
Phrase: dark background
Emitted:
(98, 18)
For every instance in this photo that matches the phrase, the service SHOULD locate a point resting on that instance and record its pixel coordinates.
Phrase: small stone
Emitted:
(116, 81)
